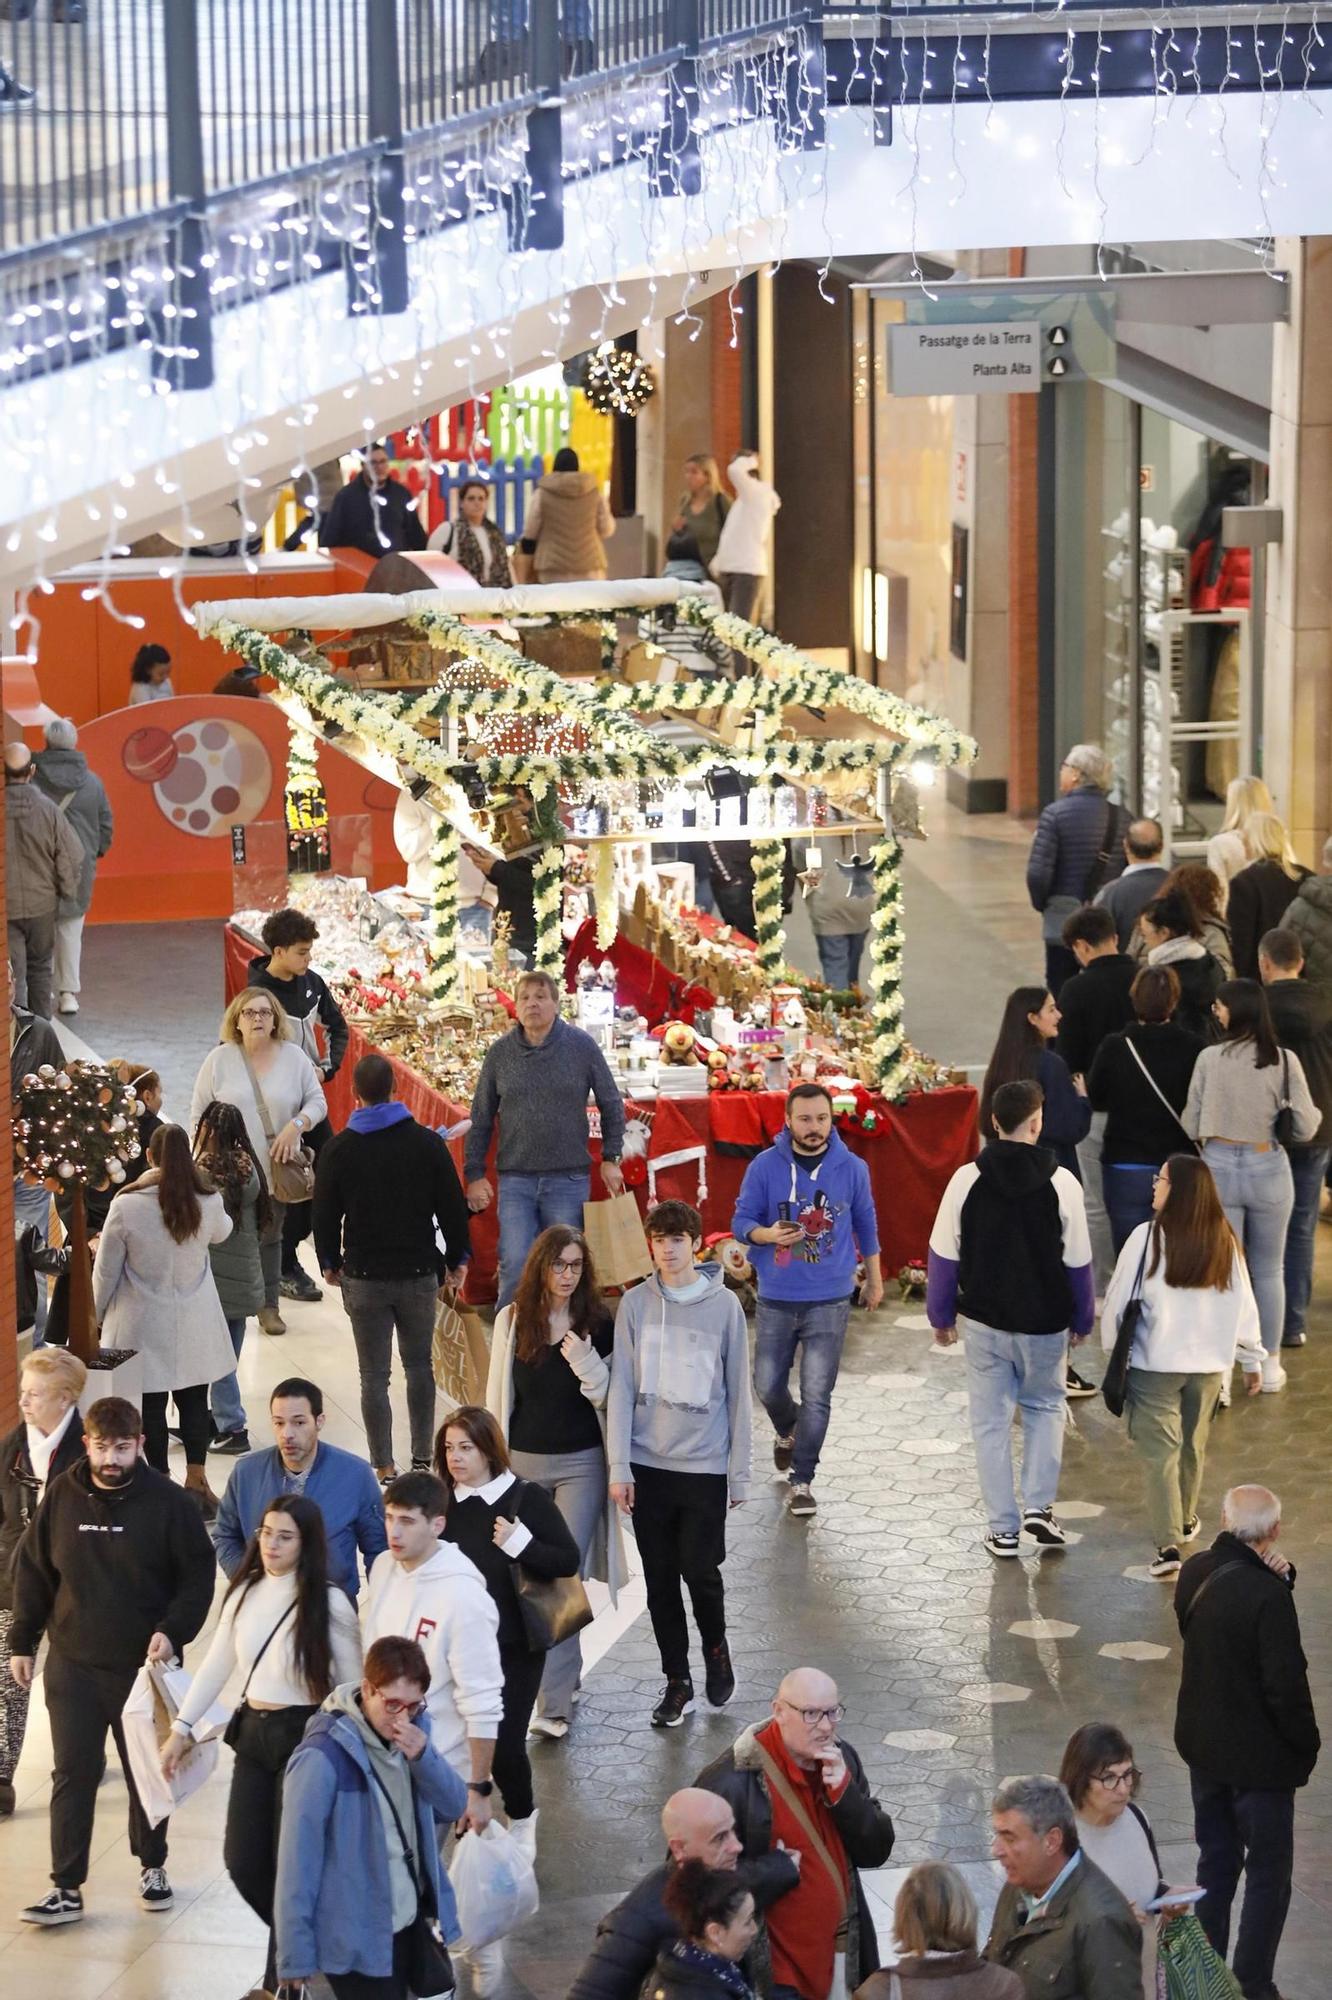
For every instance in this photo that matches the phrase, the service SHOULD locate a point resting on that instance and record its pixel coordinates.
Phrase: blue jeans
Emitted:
(839, 958)
(1253, 1832)
(1308, 1168)
(33, 1205)
(224, 1398)
(529, 1203)
(1258, 1193)
(819, 1332)
(1128, 1198)
(1007, 1372)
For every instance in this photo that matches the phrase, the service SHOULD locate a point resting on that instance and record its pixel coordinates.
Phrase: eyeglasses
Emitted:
(1160, 1180)
(411, 1709)
(572, 1267)
(1118, 1781)
(812, 1717)
(256, 1013)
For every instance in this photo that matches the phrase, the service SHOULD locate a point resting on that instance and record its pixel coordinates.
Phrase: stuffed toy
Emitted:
(677, 1044)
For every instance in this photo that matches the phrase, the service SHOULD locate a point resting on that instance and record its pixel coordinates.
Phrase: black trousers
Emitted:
(360, 1985)
(191, 1408)
(680, 1528)
(1252, 1832)
(297, 1222)
(263, 1745)
(83, 1703)
(511, 1770)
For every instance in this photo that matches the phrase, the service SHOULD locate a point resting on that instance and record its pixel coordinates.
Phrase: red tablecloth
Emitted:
(917, 1147)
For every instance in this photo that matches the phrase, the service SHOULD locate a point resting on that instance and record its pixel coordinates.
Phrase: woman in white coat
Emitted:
(546, 1389)
(1198, 1315)
(741, 561)
(153, 1292)
(257, 1057)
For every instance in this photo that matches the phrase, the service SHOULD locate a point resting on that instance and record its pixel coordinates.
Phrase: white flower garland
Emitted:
(442, 937)
(548, 906)
(885, 949)
(766, 860)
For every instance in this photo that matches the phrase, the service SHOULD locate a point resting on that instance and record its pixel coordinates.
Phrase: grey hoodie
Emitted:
(679, 1389)
(391, 1767)
(64, 775)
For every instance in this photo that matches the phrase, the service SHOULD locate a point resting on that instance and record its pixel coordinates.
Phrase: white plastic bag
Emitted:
(494, 1885)
(146, 1720)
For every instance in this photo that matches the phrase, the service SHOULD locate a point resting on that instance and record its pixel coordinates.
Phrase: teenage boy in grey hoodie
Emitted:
(678, 1441)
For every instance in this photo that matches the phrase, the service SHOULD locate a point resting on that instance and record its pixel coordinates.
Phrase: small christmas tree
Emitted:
(74, 1128)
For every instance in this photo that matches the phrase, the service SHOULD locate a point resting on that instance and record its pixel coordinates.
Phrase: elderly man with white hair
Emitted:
(1244, 1725)
(792, 1782)
(61, 771)
(1078, 847)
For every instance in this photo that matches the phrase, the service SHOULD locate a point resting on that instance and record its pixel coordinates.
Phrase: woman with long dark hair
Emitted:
(1140, 1079)
(1025, 1053)
(1237, 1089)
(1198, 1315)
(549, 1373)
(153, 1291)
(1171, 926)
(222, 1149)
(499, 1521)
(713, 1910)
(291, 1637)
(150, 675)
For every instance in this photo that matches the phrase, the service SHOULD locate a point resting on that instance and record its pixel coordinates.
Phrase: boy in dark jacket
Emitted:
(384, 1188)
(1011, 1268)
(116, 1567)
(285, 971)
(805, 1211)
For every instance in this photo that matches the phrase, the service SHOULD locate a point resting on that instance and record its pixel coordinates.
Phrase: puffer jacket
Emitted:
(235, 1260)
(1070, 834)
(569, 521)
(630, 1936)
(1310, 917)
(64, 775)
(43, 854)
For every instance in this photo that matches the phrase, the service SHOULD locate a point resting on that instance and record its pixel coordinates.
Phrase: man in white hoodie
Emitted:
(423, 1589)
(741, 561)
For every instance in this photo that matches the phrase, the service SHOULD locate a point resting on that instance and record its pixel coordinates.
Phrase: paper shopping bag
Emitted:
(459, 1355)
(615, 1236)
(146, 1721)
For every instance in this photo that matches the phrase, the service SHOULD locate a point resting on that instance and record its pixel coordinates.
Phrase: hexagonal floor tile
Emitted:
(991, 1692)
(1134, 1649)
(919, 1739)
(1043, 1628)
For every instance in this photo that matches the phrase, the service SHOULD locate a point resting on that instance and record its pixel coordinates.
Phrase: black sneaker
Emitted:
(1294, 1339)
(231, 1444)
(674, 1706)
(1192, 1529)
(718, 1675)
(783, 1451)
(1076, 1385)
(12, 92)
(154, 1889)
(1165, 1564)
(298, 1284)
(61, 1906)
(999, 1543)
(1041, 1525)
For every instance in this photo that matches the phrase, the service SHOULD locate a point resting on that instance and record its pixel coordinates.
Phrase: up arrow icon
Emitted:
(1058, 336)
(1058, 367)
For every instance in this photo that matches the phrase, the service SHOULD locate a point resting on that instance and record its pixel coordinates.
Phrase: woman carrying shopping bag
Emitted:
(292, 1636)
(1198, 1313)
(549, 1374)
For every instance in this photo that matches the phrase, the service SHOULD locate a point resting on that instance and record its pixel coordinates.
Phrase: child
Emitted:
(678, 1436)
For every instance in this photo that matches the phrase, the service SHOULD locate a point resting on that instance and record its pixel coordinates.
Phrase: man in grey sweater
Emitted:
(536, 1080)
(678, 1437)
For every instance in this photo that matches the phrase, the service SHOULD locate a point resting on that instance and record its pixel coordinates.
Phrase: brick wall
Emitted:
(8, 1307)
(726, 415)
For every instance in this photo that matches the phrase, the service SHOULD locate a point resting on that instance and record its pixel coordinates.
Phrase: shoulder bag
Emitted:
(429, 1967)
(1155, 1086)
(1104, 853)
(776, 1778)
(1114, 1388)
(293, 1180)
(233, 1728)
(1283, 1129)
(553, 1607)
(1205, 1586)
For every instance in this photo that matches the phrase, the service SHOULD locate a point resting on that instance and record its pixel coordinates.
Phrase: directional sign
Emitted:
(1059, 336)
(1001, 356)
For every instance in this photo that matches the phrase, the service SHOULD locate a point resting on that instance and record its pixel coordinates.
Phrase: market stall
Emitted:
(572, 772)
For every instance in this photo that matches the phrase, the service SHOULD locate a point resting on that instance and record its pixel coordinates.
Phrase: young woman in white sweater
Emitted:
(1198, 1315)
(1238, 1087)
(290, 1637)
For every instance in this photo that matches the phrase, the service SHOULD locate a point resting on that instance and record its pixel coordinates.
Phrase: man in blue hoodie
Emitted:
(385, 1189)
(805, 1212)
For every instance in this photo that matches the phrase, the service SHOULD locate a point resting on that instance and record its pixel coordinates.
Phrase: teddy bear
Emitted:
(677, 1044)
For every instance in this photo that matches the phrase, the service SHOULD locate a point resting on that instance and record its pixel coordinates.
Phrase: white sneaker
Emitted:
(485, 1966)
(524, 1833)
(68, 1004)
(1274, 1375)
(553, 1726)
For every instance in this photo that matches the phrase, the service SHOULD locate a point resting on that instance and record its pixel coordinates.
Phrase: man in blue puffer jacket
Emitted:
(1078, 847)
(358, 1856)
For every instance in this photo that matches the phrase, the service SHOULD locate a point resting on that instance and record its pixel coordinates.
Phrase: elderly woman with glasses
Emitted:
(1114, 1832)
(550, 1355)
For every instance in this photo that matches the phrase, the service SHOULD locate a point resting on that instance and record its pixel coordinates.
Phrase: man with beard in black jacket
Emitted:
(1302, 1016)
(1244, 1725)
(698, 1826)
(116, 1568)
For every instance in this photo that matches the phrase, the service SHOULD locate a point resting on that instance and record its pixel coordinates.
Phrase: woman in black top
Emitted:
(714, 1911)
(1171, 926)
(499, 1521)
(1140, 1130)
(549, 1373)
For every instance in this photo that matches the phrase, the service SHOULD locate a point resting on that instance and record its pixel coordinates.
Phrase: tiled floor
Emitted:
(955, 1671)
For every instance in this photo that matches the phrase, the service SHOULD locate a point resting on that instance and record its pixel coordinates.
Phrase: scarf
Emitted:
(467, 551)
(724, 1970)
(41, 1450)
(1175, 951)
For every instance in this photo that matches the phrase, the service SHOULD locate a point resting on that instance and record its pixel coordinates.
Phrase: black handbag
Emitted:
(233, 1729)
(429, 1967)
(1283, 1130)
(1115, 1385)
(553, 1607)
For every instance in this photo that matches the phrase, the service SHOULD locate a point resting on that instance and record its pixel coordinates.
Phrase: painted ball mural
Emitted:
(205, 778)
